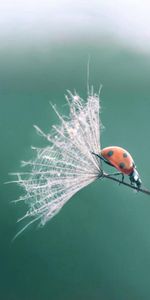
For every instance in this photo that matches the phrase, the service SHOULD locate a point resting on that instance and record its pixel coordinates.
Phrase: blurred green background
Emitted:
(98, 246)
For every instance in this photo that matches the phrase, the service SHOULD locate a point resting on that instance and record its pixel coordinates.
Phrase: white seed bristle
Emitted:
(66, 165)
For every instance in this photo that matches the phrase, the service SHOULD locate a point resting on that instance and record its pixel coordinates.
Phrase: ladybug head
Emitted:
(135, 178)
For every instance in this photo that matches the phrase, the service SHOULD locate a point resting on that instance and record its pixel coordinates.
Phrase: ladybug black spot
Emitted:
(110, 153)
(122, 165)
(125, 154)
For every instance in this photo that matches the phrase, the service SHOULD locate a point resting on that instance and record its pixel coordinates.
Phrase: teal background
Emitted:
(98, 246)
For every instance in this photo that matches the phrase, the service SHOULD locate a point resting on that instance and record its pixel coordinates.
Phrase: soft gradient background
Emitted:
(98, 246)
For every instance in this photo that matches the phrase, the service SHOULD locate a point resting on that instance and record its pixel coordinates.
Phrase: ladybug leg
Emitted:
(122, 177)
(102, 158)
(131, 182)
(116, 174)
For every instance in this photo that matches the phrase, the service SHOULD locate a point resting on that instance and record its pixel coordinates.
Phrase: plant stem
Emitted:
(142, 190)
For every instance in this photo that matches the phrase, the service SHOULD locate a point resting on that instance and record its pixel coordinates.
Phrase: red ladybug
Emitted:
(122, 160)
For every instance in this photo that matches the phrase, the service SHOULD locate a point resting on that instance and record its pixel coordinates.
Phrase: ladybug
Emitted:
(122, 160)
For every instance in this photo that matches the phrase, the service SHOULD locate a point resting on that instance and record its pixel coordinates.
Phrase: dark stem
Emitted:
(142, 190)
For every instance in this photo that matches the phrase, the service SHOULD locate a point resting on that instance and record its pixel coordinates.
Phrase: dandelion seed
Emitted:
(67, 164)
(71, 161)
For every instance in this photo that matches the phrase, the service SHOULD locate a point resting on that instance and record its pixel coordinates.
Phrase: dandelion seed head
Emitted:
(66, 164)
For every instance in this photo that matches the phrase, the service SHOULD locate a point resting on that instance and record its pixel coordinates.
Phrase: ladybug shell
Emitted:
(119, 158)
